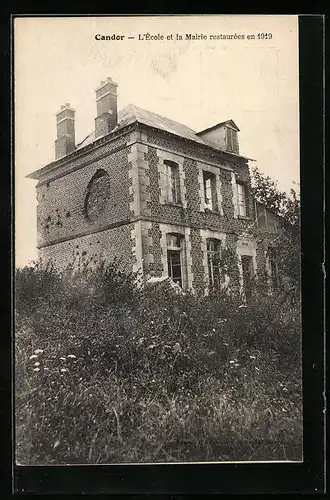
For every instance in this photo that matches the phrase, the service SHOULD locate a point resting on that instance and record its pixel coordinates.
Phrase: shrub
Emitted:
(107, 371)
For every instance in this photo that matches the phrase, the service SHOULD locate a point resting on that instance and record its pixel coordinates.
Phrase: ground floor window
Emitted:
(175, 258)
(214, 261)
(273, 268)
(248, 275)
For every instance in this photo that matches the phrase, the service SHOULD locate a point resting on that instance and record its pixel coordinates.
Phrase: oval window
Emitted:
(98, 192)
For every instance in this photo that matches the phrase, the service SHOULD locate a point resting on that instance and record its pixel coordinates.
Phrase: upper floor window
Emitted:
(173, 181)
(214, 261)
(231, 138)
(261, 216)
(175, 257)
(241, 199)
(210, 190)
(97, 195)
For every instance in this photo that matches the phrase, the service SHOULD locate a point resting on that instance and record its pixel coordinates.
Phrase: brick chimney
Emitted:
(106, 105)
(65, 142)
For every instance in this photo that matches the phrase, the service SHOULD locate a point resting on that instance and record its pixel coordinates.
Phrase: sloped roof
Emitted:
(131, 114)
(220, 124)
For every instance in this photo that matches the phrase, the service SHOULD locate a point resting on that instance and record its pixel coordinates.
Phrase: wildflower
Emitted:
(231, 361)
(46, 368)
(34, 356)
(284, 389)
(57, 442)
(63, 370)
(36, 369)
(63, 359)
(257, 368)
(37, 363)
(38, 351)
(72, 356)
(236, 364)
(252, 357)
(176, 347)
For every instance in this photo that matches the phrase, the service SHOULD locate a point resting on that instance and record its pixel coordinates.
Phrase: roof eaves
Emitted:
(202, 143)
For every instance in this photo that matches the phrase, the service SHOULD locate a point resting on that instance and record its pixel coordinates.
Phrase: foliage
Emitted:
(107, 371)
(287, 245)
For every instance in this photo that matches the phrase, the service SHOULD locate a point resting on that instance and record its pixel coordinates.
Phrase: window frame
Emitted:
(172, 248)
(274, 274)
(231, 140)
(213, 205)
(214, 281)
(173, 188)
(241, 185)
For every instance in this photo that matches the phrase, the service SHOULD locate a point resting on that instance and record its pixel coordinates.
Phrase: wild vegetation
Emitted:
(108, 371)
(288, 243)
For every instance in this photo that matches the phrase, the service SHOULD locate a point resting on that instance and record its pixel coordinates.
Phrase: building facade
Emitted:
(164, 199)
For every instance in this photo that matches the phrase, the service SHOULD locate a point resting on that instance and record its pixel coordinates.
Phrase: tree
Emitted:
(287, 243)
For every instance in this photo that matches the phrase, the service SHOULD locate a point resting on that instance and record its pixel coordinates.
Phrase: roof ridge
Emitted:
(134, 106)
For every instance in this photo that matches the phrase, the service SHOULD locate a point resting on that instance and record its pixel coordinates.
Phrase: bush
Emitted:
(107, 371)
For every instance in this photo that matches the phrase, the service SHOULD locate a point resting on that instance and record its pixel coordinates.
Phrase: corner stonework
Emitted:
(142, 247)
(140, 201)
(139, 189)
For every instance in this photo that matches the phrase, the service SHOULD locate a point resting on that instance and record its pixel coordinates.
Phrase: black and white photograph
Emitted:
(157, 240)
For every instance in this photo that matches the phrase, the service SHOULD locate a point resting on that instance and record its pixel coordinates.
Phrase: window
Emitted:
(174, 257)
(241, 199)
(97, 195)
(173, 181)
(273, 268)
(248, 275)
(213, 261)
(210, 191)
(232, 143)
(261, 216)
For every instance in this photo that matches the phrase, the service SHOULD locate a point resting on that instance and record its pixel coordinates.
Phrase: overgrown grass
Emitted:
(108, 372)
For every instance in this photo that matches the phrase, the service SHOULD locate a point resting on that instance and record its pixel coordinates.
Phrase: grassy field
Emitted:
(107, 373)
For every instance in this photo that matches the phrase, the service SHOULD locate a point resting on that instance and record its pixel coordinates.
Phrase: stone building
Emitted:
(163, 198)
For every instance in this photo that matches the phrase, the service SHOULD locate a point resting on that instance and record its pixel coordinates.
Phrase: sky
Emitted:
(195, 82)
